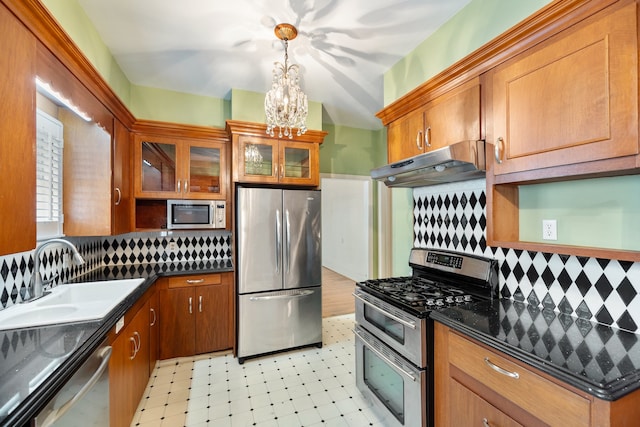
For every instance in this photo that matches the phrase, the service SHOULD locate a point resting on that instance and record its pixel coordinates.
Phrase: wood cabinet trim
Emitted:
(260, 129)
(47, 30)
(539, 26)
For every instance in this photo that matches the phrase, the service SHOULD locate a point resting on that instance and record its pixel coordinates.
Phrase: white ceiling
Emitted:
(208, 47)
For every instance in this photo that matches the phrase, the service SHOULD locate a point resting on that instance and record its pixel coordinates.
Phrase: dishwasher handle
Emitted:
(105, 355)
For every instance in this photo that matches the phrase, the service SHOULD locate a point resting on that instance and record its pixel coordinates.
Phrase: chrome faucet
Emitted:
(36, 288)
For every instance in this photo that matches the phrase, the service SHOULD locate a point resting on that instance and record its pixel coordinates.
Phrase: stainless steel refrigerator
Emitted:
(279, 270)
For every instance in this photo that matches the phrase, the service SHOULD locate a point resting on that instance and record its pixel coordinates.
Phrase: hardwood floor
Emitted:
(337, 290)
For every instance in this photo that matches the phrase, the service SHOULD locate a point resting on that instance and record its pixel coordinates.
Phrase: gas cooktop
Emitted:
(415, 293)
(440, 279)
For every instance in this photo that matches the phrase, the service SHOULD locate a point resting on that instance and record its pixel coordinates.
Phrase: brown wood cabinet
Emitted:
(565, 109)
(478, 385)
(572, 99)
(17, 136)
(258, 158)
(175, 167)
(448, 118)
(129, 365)
(154, 329)
(122, 202)
(197, 314)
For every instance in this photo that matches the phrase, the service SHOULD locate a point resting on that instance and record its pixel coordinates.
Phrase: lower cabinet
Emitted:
(477, 411)
(197, 314)
(154, 329)
(129, 365)
(479, 386)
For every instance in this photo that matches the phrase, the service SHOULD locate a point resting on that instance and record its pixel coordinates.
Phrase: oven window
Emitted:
(389, 326)
(385, 383)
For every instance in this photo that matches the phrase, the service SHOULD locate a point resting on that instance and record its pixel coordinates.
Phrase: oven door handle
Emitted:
(386, 313)
(385, 358)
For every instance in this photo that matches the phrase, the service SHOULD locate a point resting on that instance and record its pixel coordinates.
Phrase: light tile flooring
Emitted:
(307, 387)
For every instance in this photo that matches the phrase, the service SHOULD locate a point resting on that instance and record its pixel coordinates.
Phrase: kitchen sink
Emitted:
(69, 303)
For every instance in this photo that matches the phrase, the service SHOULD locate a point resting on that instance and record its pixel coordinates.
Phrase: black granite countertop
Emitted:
(36, 362)
(603, 361)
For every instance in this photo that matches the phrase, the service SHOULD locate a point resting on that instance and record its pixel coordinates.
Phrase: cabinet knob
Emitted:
(485, 423)
(498, 149)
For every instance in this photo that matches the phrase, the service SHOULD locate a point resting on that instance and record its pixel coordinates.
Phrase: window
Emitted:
(49, 148)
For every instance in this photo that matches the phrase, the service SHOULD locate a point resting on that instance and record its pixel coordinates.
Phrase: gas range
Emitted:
(394, 332)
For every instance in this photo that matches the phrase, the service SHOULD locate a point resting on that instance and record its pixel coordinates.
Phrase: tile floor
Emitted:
(307, 387)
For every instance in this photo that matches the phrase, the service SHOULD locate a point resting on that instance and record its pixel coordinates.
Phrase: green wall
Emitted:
(77, 25)
(600, 212)
(476, 24)
(165, 105)
(352, 151)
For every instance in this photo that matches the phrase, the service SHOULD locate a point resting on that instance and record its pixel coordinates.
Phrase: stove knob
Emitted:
(467, 297)
(459, 298)
(449, 300)
(439, 302)
(430, 301)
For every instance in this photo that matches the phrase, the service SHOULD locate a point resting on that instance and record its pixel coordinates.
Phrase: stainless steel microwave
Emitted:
(194, 214)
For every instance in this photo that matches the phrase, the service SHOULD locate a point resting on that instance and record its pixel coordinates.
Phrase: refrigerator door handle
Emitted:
(278, 240)
(284, 295)
(287, 231)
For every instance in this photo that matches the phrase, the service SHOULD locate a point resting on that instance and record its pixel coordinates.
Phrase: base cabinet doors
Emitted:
(196, 314)
(469, 409)
(129, 368)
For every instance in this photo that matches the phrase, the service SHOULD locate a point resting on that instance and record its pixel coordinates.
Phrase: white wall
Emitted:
(347, 225)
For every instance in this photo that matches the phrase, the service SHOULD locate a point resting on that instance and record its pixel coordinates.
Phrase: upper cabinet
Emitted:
(443, 119)
(17, 136)
(122, 201)
(571, 99)
(258, 158)
(179, 167)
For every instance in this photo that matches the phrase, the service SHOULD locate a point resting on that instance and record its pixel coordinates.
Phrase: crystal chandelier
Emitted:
(285, 104)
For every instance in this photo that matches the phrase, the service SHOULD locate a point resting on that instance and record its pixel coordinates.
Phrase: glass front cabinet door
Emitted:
(266, 160)
(167, 168)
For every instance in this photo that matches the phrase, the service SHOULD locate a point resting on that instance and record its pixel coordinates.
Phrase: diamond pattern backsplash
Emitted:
(453, 216)
(16, 269)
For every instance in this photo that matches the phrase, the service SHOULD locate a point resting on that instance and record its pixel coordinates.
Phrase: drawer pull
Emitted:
(485, 423)
(194, 281)
(498, 149)
(496, 368)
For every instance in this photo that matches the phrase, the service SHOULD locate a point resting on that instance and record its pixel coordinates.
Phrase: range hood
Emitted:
(457, 162)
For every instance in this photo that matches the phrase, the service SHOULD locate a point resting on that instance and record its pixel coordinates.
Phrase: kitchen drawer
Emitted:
(477, 411)
(530, 391)
(194, 280)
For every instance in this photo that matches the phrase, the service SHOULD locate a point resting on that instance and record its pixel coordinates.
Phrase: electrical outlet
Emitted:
(549, 229)
(172, 247)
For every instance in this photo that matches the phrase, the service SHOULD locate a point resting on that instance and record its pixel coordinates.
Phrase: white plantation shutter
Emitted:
(49, 146)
